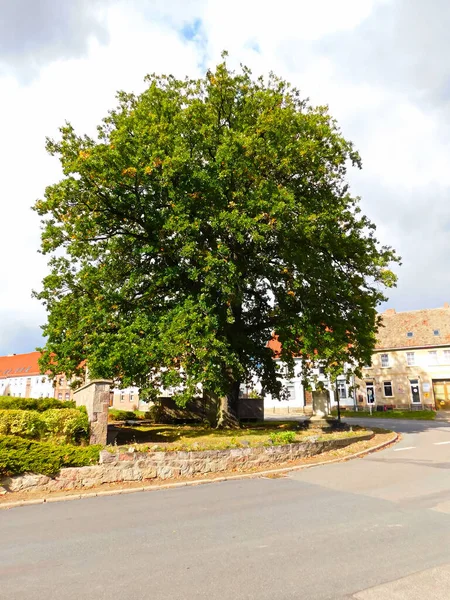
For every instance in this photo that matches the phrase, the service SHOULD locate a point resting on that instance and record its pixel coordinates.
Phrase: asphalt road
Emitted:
(376, 528)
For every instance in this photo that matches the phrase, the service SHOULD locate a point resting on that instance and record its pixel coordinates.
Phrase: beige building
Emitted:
(411, 364)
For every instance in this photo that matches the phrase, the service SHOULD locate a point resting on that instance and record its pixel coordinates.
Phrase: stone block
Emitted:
(148, 472)
(165, 472)
(107, 457)
(126, 456)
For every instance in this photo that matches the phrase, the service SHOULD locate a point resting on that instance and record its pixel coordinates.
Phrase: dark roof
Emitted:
(422, 324)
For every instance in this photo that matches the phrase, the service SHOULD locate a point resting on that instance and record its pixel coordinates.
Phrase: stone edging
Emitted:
(117, 466)
(267, 472)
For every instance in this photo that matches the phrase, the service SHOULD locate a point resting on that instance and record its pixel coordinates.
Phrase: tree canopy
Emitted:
(205, 216)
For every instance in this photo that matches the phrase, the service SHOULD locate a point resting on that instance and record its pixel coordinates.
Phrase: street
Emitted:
(371, 528)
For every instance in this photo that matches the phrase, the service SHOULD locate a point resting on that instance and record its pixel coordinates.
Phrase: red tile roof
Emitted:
(275, 346)
(19, 365)
(421, 323)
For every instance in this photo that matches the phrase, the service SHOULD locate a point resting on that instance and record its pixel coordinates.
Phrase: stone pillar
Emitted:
(94, 395)
(321, 409)
(321, 404)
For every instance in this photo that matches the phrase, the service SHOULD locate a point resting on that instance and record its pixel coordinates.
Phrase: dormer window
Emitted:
(410, 334)
(436, 332)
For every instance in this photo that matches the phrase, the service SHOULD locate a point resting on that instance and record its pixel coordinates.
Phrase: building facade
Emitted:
(20, 377)
(410, 367)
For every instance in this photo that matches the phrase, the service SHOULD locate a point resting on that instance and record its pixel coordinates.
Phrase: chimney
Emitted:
(389, 312)
(446, 305)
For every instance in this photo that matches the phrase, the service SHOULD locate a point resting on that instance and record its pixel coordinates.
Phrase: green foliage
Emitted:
(69, 425)
(206, 215)
(124, 415)
(421, 415)
(18, 455)
(283, 437)
(39, 404)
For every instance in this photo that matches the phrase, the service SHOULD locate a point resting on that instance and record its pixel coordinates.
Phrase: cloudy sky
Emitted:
(381, 65)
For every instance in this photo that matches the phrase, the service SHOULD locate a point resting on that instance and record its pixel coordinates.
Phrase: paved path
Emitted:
(376, 528)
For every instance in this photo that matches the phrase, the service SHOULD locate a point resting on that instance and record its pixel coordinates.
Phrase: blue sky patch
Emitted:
(191, 30)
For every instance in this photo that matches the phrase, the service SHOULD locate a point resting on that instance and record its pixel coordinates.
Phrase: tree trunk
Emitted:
(227, 414)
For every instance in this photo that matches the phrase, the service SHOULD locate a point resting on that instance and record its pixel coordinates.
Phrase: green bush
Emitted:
(70, 425)
(39, 404)
(124, 415)
(283, 437)
(18, 455)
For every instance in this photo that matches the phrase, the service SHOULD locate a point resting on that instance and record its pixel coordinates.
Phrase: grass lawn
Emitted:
(422, 415)
(201, 437)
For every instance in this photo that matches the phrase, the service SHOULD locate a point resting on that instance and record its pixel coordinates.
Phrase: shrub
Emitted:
(283, 437)
(70, 425)
(39, 404)
(18, 455)
(123, 415)
(65, 426)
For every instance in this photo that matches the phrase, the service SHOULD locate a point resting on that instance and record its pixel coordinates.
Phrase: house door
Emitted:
(370, 392)
(415, 391)
(441, 391)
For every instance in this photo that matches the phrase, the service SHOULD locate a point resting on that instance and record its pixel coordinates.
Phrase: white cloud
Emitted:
(387, 84)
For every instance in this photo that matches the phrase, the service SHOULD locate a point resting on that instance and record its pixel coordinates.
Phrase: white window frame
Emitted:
(290, 388)
(447, 356)
(389, 382)
(411, 359)
(371, 384)
(386, 366)
(341, 385)
(432, 354)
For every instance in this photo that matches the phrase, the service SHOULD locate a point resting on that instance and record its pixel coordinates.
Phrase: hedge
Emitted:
(39, 404)
(70, 425)
(124, 415)
(18, 455)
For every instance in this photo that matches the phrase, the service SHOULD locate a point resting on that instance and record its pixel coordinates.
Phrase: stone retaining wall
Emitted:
(140, 466)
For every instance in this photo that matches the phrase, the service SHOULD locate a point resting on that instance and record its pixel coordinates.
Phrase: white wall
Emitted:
(297, 399)
(17, 386)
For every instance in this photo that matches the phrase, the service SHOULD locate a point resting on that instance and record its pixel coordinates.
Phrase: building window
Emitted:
(433, 357)
(410, 359)
(67, 395)
(387, 386)
(385, 360)
(290, 393)
(436, 332)
(342, 389)
(321, 370)
(447, 356)
(131, 396)
(60, 396)
(409, 334)
(122, 397)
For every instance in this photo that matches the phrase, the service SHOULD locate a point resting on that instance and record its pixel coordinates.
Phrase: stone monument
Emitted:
(94, 395)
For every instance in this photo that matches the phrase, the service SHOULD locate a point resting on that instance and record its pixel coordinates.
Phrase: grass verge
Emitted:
(421, 415)
(201, 437)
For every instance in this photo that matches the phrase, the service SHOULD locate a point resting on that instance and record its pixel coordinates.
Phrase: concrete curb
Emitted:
(164, 486)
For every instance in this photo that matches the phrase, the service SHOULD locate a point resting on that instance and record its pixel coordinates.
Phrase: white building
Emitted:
(297, 399)
(20, 377)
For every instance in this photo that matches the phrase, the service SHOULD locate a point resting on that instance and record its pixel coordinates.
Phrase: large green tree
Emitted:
(206, 215)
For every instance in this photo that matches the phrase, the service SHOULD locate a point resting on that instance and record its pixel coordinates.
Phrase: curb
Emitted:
(164, 486)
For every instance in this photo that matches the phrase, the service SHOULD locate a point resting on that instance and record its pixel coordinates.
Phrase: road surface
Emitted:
(376, 528)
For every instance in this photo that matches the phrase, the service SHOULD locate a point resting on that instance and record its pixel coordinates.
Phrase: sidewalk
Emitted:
(443, 415)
